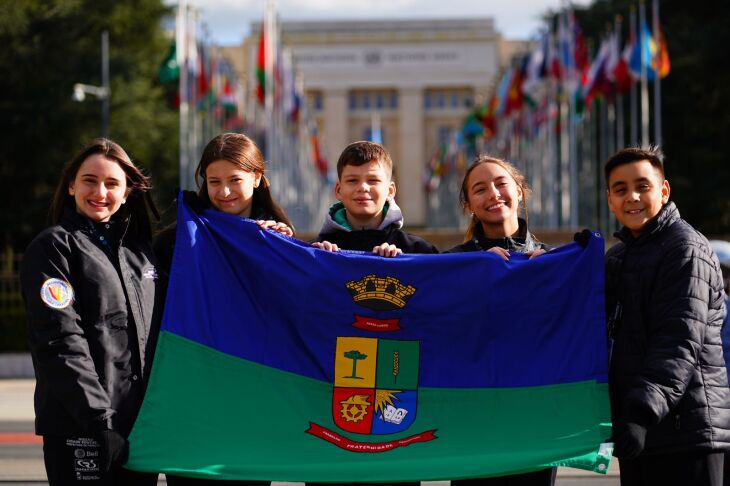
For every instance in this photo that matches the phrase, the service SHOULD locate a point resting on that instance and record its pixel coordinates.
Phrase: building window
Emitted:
(366, 100)
(454, 100)
(447, 99)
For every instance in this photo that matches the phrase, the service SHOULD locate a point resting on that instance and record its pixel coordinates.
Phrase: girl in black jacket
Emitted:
(493, 191)
(231, 179)
(92, 296)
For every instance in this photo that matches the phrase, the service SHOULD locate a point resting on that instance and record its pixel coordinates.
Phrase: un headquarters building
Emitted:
(415, 79)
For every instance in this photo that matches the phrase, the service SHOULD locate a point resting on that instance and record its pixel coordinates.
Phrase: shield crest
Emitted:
(376, 385)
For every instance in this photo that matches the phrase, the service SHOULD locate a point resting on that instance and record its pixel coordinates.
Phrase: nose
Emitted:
(101, 190)
(493, 192)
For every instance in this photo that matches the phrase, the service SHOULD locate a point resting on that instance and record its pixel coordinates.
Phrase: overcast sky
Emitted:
(228, 20)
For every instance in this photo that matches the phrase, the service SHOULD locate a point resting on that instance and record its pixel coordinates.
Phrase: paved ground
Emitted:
(21, 456)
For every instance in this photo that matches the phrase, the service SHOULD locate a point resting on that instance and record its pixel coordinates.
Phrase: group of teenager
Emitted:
(94, 285)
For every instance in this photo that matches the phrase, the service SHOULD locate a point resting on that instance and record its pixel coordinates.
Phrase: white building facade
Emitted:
(415, 80)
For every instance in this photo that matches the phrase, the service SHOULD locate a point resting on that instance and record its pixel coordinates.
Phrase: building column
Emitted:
(336, 124)
(410, 194)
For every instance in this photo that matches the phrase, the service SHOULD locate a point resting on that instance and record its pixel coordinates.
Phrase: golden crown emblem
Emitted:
(380, 294)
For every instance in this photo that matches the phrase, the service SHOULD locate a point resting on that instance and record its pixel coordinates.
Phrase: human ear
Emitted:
(71, 190)
(391, 190)
(257, 178)
(337, 191)
(665, 191)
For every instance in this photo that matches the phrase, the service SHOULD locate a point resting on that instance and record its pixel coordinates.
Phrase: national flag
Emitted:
(662, 57)
(598, 83)
(582, 59)
(170, 69)
(261, 66)
(644, 52)
(317, 157)
(515, 97)
(280, 361)
(621, 73)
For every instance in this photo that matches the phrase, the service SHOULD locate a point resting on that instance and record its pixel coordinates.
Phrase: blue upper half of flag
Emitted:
(481, 322)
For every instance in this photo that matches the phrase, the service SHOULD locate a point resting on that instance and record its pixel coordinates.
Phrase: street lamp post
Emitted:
(101, 92)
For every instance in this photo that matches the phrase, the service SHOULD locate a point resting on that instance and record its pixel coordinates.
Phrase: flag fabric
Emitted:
(280, 361)
(644, 52)
(261, 66)
(661, 60)
(170, 69)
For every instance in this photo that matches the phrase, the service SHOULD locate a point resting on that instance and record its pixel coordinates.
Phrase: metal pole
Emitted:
(657, 80)
(634, 96)
(105, 83)
(644, 78)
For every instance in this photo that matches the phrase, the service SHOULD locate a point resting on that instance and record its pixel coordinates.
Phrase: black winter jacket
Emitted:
(664, 298)
(365, 240)
(93, 314)
(522, 242)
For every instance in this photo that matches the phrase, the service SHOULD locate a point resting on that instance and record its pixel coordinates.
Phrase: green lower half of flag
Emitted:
(209, 414)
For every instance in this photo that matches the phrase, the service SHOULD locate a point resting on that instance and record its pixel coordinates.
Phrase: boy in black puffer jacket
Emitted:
(664, 294)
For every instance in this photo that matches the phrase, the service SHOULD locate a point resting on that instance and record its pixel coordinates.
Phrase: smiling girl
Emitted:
(493, 191)
(231, 180)
(93, 301)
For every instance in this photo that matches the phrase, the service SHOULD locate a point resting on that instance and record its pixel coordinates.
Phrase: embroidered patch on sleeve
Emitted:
(56, 293)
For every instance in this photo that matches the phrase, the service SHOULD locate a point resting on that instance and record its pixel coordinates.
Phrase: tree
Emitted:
(695, 97)
(48, 45)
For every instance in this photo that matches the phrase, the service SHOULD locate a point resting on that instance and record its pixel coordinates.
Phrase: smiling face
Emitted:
(636, 193)
(494, 197)
(99, 188)
(230, 188)
(363, 190)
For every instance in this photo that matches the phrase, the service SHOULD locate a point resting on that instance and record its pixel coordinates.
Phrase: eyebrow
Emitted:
(496, 179)
(635, 181)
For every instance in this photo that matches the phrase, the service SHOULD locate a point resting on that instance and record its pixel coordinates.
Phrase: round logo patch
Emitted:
(56, 293)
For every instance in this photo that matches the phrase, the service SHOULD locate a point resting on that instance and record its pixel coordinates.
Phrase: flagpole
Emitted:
(633, 95)
(657, 77)
(182, 52)
(619, 96)
(644, 79)
(268, 77)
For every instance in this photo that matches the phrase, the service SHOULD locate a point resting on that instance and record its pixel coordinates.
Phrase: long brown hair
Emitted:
(513, 171)
(241, 151)
(138, 202)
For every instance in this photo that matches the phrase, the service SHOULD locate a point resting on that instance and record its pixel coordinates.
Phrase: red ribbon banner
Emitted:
(355, 446)
(375, 325)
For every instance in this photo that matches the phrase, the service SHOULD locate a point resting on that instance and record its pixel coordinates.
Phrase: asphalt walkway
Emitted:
(21, 455)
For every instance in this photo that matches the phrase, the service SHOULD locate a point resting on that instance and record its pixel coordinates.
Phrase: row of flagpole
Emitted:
(558, 115)
(281, 121)
(269, 108)
(206, 92)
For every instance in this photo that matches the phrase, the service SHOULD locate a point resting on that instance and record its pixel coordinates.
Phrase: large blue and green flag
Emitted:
(280, 361)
